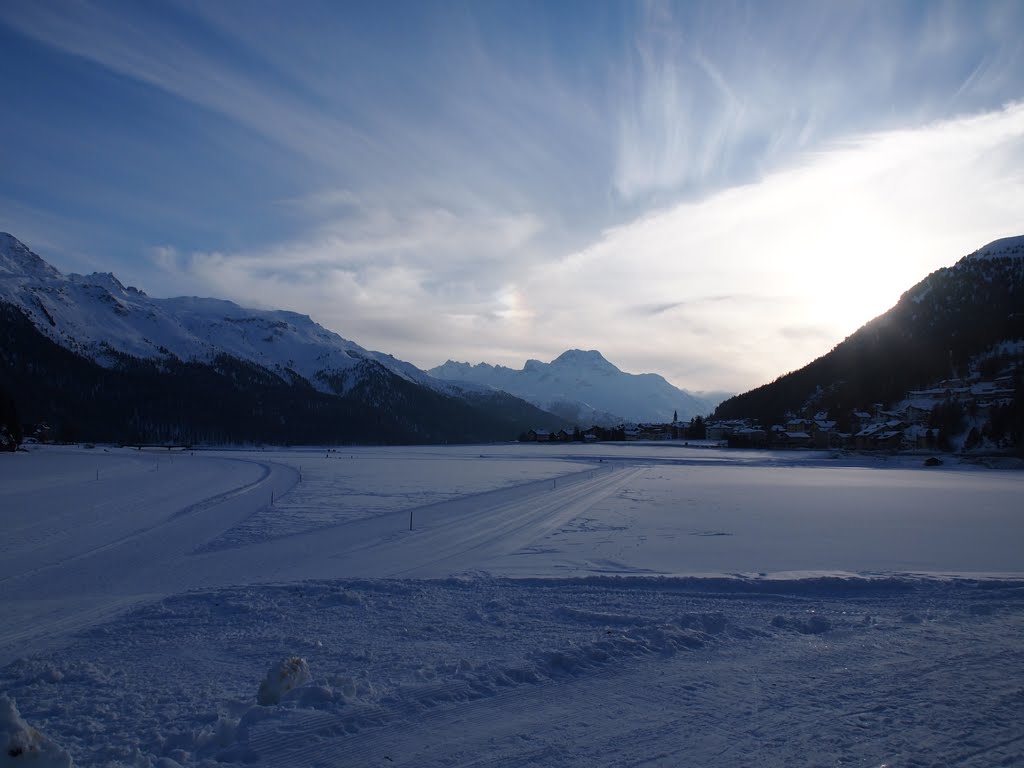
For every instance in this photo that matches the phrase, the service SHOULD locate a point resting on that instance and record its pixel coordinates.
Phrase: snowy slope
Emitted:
(945, 327)
(98, 317)
(583, 386)
(1012, 247)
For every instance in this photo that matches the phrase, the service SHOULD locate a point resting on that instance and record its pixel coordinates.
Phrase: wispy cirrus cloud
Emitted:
(724, 292)
(707, 100)
(169, 56)
(716, 191)
(828, 244)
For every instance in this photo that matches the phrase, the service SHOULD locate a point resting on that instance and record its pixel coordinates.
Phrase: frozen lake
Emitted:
(189, 574)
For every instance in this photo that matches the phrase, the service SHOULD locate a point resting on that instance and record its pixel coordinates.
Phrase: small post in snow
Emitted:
(97, 474)
(410, 519)
(271, 498)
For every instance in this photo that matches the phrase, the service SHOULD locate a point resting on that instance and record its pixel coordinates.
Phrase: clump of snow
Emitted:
(282, 677)
(23, 745)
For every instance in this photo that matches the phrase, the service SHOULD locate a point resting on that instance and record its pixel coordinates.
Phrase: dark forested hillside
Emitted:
(954, 316)
(233, 401)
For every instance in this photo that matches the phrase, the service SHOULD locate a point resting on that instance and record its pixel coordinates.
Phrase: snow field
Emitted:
(752, 519)
(157, 523)
(146, 609)
(826, 671)
(60, 503)
(348, 484)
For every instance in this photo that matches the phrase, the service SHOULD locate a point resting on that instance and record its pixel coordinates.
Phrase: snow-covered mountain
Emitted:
(207, 369)
(584, 388)
(98, 317)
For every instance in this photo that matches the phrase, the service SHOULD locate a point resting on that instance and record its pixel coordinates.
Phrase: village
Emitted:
(955, 415)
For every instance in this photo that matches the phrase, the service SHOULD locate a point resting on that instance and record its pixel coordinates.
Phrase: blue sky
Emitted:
(714, 191)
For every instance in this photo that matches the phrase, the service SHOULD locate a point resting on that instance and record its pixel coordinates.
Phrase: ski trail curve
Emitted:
(47, 604)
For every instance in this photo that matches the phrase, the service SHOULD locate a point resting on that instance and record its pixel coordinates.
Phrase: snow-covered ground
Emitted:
(550, 605)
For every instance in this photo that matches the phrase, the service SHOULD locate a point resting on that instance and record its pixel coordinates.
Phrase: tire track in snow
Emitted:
(205, 504)
(32, 635)
(53, 601)
(191, 509)
(472, 540)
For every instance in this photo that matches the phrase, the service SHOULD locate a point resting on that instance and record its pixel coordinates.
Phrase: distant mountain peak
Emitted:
(17, 259)
(579, 357)
(9, 242)
(1006, 247)
(583, 387)
(105, 280)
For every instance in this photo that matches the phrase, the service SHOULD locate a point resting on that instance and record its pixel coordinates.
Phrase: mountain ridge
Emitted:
(97, 315)
(584, 387)
(277, 376)
(960, 322)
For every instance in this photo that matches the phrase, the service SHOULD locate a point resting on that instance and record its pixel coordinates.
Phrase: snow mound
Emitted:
(23, 745)
(281, 678)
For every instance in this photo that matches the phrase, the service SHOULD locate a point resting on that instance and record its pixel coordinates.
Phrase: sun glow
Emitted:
(778, 272)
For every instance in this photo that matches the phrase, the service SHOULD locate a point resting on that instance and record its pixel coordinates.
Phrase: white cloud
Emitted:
(433, 187)
(723, 293)
(808, 254)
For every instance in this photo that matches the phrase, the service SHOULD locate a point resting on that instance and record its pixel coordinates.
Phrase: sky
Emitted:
(718, 192)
